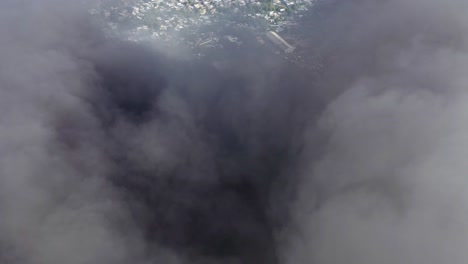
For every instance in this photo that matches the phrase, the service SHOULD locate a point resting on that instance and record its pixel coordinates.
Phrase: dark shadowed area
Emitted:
(120, 152)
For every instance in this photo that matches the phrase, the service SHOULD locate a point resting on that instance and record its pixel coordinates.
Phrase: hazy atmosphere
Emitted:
(121, 151)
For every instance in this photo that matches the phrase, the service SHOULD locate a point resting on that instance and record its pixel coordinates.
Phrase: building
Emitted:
(280, 42)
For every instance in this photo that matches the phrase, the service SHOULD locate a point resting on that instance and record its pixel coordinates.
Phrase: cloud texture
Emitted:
(116, 152)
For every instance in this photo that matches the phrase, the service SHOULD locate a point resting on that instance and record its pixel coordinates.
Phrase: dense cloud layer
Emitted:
(392, 183)
(115, 152)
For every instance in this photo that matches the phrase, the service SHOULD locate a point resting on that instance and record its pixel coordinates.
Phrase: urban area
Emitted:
(193, 22)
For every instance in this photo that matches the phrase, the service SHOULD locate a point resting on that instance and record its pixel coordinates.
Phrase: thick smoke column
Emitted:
(114, 152)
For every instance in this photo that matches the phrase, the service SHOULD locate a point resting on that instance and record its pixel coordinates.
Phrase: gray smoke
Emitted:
(391, 186)
(116, 152)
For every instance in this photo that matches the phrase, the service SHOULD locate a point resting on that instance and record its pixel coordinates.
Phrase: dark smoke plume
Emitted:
(117, 152)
